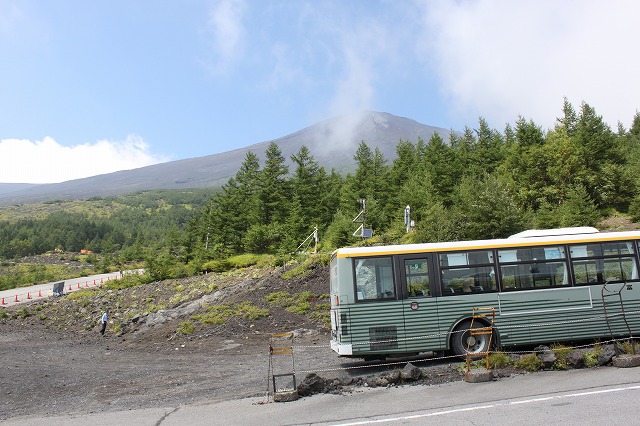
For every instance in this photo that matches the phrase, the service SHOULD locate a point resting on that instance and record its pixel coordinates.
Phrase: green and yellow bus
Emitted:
(545, 286)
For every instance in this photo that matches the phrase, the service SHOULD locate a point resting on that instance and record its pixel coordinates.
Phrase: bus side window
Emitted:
(374, 278)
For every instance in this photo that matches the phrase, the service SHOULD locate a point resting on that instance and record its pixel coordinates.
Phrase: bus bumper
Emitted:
(341, 349)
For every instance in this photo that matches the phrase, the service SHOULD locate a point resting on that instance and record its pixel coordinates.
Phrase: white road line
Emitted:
(483, 407)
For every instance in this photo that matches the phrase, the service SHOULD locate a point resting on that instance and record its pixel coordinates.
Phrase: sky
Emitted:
(93, 87)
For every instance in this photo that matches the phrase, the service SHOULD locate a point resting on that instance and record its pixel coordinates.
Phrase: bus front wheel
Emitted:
(463, 342)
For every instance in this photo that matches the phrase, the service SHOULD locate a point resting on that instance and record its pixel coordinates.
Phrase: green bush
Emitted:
(590, 358)
(529, 362)
(304, 268)
(499, 360)
(23, 312)
(186, 327)
(249, 311)
(561, 352)
(300, 308)
(279, 298)
(222, 265)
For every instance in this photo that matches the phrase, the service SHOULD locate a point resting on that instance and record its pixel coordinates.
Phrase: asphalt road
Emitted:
(25, 294)
(597, 396)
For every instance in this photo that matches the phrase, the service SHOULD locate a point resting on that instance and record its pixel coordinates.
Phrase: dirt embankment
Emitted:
(168, 343)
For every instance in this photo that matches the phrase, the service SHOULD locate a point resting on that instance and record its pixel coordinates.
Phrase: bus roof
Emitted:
(514, 241)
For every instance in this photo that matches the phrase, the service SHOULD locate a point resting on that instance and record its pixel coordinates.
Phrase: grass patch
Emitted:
(561, 352)
(239, 262)
(627, 347)
(127, 281)
(500, 360)
(304, 268)
(529, 362)
(80, 295)
(186, 327)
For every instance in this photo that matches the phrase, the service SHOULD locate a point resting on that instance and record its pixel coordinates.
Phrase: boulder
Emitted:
(479, 375)
(626, 361)
(548, 358)
(606, 354)
(575, 358)
(410, 372)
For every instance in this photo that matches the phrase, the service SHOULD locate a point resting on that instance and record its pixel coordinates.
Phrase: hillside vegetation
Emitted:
(481, 183)
(257, 299)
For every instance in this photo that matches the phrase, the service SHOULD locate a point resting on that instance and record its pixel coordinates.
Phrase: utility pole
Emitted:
(362, 230)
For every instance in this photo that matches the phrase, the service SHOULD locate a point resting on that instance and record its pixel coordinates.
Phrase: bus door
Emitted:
(421, 327)
(375, 320)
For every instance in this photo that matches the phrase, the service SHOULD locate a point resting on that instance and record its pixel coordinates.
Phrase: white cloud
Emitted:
(500, 59)
(46, 161)
(227, 32)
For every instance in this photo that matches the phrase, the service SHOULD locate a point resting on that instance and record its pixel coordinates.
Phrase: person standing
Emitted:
(103, 321)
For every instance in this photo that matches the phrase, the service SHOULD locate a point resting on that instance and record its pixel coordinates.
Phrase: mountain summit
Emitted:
(332, 142)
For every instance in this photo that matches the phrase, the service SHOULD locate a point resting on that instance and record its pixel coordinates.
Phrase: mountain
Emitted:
(6, 188)
(332, 142)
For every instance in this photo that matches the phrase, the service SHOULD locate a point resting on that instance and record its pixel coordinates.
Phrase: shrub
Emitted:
(561, 352)
(279, 298)
(250, 311)
(216, 266)
(23, 313)
(186, 327)
(529, 362)
(127, 281)
(300, 308)
(590, 358)
(499, 360)
(627, 347)
(322, 316)
(304, 268)
(215, 315)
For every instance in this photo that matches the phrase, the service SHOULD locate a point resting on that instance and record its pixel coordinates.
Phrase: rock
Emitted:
(548, 358)
(606, 354)
(575, 358)
(312, 384)
(285, 396)
(410, 372)
(626, 361)
(479, 375)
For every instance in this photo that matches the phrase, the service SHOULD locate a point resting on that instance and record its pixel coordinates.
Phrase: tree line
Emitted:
(481, 183)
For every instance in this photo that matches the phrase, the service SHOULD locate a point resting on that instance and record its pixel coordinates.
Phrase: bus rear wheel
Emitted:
(462, 342)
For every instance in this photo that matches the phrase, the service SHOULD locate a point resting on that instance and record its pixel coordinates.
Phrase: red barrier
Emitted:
(16, 300)
(28, 295)
(3, 302)
(101, 280)
(86, 284)
(94, 282)
(39, 293)
(70, 287)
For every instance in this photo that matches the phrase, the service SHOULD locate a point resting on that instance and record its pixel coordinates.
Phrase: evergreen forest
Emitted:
(480, 183)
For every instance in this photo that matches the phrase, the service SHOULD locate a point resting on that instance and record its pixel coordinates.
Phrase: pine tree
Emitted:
(274, 190)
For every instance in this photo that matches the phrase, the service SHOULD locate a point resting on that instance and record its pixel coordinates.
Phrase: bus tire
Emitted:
(462, 341)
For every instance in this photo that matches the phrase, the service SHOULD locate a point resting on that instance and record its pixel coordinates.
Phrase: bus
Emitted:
(545, 286)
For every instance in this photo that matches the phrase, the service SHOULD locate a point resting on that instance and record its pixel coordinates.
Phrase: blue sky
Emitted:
(94, 87)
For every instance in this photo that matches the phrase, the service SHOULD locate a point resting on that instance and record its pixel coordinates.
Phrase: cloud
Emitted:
(500, 59)
(46, 161)
(227, 32)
